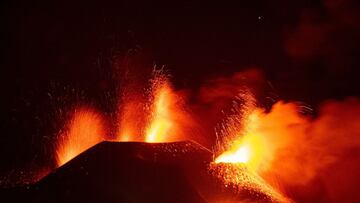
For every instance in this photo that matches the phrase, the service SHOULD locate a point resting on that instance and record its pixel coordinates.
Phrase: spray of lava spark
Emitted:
(239, 140)
(161, 117)
(245, 152)
(157, 116)
(82, 131)
(131, 118)
(249, 148)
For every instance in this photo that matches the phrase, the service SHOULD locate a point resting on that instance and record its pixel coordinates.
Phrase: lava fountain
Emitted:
(158, 116)
(245, 151)
(250, 148)
(161, 109)
(85, 129)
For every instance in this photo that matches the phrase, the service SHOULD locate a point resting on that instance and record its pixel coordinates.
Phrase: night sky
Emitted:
(58, 54)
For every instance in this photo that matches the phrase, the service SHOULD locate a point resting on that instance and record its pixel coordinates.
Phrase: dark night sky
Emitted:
(56, 54)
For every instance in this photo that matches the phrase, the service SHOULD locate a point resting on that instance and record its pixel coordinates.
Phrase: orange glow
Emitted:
(282, 145)
(131, 120)
(237, 176)
(159, 115)
(163, 110)
(264, 138)
(84, 130)
(161, 121)
(250, 147)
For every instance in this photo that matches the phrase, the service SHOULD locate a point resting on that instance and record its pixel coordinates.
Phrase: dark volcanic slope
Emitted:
(140, 172)
(124, 172)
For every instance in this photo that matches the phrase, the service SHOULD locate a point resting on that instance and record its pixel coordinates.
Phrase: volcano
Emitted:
(138, 172)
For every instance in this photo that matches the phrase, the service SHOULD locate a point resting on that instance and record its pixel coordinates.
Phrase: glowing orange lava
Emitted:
(131, 120)
(162, 110)
(161, 121)
(85, 129)
(157, 116)
(249, 148)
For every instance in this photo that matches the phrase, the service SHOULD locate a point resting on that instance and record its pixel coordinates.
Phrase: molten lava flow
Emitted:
(84, 130)
(162, 104)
